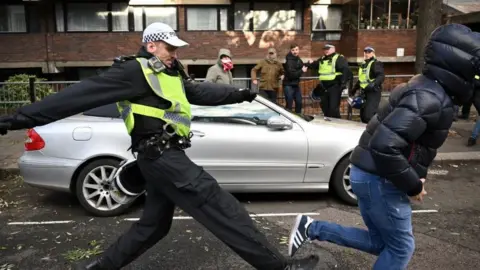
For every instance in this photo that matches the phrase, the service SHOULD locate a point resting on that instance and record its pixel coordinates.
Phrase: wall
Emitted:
(22, 47)
(249, 46)
(386, 42)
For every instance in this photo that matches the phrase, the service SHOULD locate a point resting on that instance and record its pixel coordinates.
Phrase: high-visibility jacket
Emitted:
(167, 87)
(326, 69)
(364, 74)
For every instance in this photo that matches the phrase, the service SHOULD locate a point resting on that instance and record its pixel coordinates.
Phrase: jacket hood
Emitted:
(224, 52)
(448, 60)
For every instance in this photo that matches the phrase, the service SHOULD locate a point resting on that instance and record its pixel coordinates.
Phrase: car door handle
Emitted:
(198, 133)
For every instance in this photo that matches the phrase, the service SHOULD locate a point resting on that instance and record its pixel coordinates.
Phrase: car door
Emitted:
(233, 143)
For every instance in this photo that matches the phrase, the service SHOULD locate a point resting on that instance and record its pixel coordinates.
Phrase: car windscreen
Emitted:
(109, 111)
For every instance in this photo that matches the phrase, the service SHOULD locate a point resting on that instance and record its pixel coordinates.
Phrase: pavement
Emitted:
(454, 148)
(43, 230)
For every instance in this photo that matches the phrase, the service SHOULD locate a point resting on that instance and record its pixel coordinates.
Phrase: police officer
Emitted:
(370, 80)
(154, 102)
(334, 75)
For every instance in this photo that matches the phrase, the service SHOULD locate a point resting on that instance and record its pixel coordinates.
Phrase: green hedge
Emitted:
(16, 89)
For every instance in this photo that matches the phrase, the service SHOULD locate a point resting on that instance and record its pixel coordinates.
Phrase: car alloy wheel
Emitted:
(97, 188)
(346, 182)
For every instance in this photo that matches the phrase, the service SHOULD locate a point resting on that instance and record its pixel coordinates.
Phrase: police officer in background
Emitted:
(154, 95)
(334, 75)
(370, 79)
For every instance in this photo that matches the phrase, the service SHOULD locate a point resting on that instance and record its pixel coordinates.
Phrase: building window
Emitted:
(326, 22)
(87, 17)
(268, 16)
(207, 19)
(242, 16)
(12, 19)
(150, 15)
(81, 17)
(120, 17)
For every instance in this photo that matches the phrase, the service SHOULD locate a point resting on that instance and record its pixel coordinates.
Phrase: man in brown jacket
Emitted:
(271, 70)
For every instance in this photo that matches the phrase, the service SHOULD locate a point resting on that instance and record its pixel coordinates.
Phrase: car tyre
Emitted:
(87, 184)
(341, 182)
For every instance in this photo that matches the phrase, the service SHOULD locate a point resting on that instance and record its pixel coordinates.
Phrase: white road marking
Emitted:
(438, 172)
(41, 222)
(283, 215)
(53, 222)
(251, 215)
(425, 211)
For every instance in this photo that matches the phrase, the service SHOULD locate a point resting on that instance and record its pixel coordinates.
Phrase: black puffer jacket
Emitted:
(293, 69)
(401, 141)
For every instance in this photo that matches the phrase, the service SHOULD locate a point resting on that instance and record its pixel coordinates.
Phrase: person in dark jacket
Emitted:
(390, 163)
(145, 87)
(370, 80)
(291, 82)
(334, 75)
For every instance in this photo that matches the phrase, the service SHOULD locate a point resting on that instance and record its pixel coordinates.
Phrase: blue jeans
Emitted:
(476, 128)
(387, 214)
(292, 92)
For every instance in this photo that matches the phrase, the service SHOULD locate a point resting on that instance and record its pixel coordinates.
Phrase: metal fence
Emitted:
(16, 94)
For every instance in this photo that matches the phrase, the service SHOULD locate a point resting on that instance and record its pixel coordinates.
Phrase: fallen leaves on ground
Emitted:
(80, 254)
(7, 266)
(284, 240)
(13, 182)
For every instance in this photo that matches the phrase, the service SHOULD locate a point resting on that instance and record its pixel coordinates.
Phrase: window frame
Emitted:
(26, 9)
(130, 16)
(251, 21)
(326, 31)
(144, 16)
(218, 7)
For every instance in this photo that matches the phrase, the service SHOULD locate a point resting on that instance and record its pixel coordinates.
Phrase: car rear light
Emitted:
(34, 141)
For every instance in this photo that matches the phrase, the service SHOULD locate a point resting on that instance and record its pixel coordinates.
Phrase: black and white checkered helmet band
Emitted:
(159, 36)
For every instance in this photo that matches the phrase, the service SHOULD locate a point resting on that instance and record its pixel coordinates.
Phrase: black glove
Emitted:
(248, 95)
(5, 124)
(371, 87)
(319, 90)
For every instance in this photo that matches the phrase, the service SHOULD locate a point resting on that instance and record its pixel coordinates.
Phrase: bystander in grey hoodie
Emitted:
(220, 72)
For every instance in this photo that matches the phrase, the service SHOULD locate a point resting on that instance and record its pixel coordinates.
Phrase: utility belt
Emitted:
(153, 147)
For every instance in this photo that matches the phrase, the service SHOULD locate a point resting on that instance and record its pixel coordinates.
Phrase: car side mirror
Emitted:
(279, 123)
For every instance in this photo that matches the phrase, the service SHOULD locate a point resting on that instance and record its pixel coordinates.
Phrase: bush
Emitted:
(15, 91)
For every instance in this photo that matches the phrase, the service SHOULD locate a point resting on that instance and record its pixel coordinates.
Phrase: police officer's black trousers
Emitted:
(173, 179)
(370, 107)
(330, 102)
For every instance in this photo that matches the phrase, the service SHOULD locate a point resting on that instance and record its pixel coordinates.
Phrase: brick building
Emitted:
(71, 40)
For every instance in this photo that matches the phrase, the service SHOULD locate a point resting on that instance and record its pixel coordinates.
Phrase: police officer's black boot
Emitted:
(307, 263)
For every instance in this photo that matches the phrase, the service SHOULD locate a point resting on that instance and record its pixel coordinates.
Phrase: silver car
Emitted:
(247, 147)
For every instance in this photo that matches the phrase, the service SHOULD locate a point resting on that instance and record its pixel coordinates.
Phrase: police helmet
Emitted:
(356, 102)
(128, 182)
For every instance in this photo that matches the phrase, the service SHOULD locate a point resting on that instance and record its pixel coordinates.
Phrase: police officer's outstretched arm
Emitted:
(212, 94)
(109, 87)
(313, 65)
(405, 124)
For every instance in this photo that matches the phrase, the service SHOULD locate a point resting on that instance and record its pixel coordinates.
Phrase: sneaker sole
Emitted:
(292, 234)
